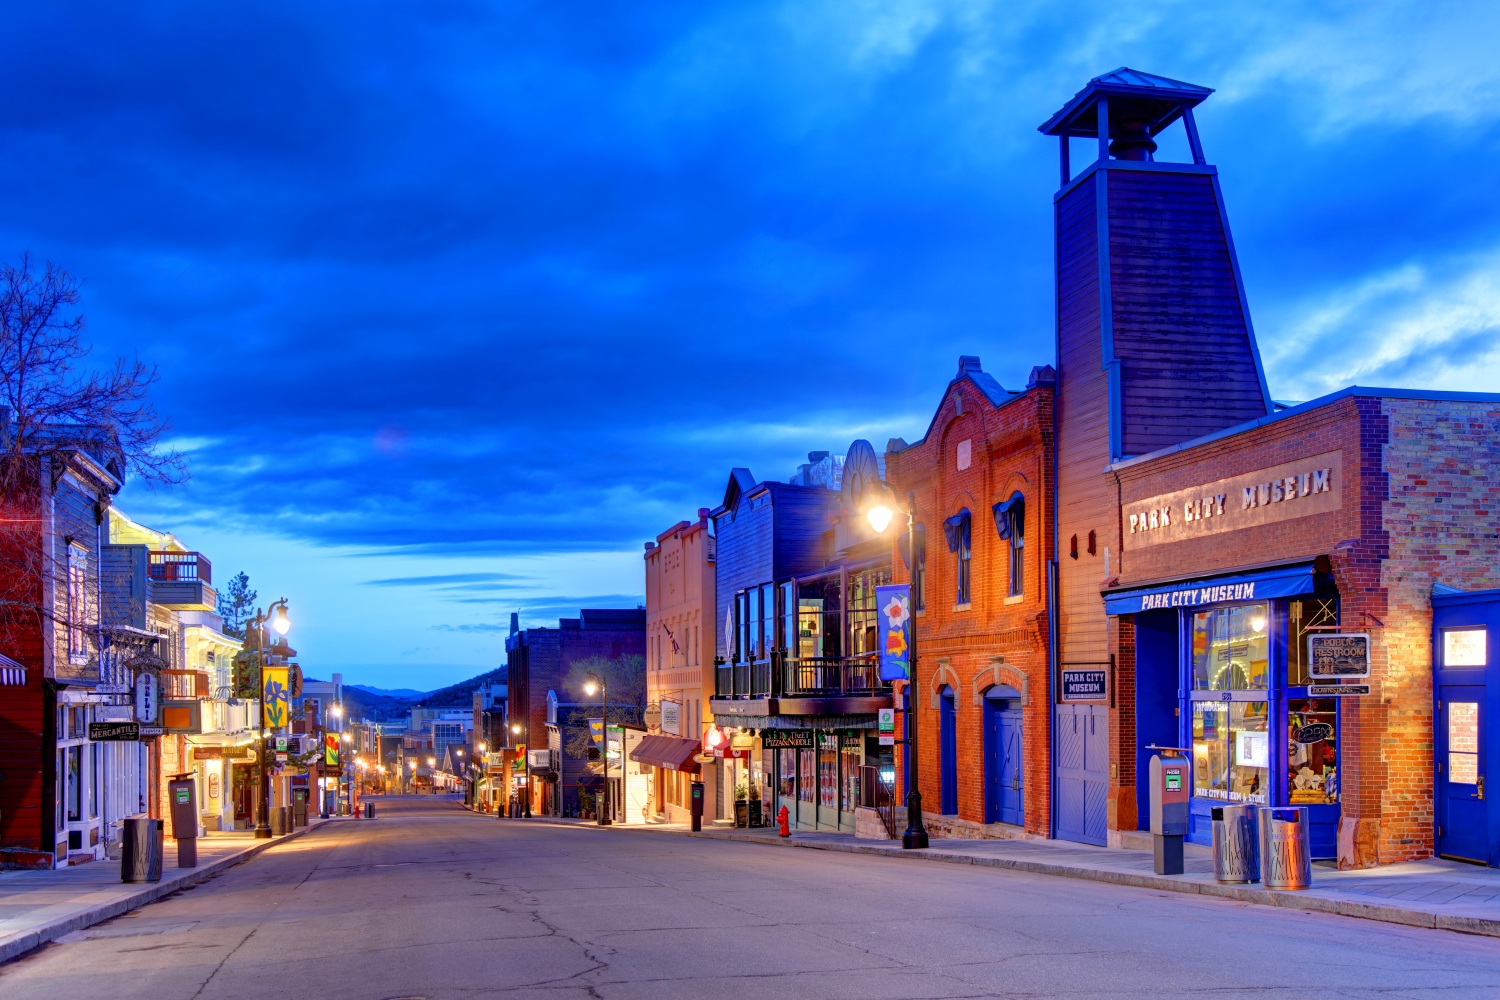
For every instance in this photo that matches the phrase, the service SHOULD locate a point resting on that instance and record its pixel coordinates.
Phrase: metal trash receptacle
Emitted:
(288, 819)
(369, 810)
(1236, 844)
(278, 821)
(1285, 851)
(140, 849)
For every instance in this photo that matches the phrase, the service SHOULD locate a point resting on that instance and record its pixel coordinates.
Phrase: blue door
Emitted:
(1003, 790)
(1082, 772)
(948, 746)
(1461, 811)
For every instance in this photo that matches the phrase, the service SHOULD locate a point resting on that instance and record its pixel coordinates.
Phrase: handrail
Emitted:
(806, 676)
(179, 567)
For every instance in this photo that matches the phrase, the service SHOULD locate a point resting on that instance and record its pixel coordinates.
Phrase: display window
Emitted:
(788, 773)
(828, 777)
(1232, 648)
(849, 785)
(807, 763)
(1312, 751)
(1231, 751)
(1305, 618)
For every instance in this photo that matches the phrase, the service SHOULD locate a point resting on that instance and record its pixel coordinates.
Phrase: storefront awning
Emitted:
(1258, 585)
(668, 752)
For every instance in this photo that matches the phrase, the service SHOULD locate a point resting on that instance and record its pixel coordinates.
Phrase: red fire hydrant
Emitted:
(781, 823)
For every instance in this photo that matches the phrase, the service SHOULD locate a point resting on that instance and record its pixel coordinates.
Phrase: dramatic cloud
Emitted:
(455, 286)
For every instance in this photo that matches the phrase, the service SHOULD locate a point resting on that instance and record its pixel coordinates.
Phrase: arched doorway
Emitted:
(948, 747)
(1004, 776)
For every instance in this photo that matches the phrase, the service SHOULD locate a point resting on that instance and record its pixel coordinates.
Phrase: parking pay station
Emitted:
(1171, 786)
(182, 793)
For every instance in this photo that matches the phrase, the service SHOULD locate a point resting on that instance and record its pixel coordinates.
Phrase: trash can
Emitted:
(1236, 844)
(278, 821)
(288, 819)
(369, 810)
(1285, 853)
(140, 850)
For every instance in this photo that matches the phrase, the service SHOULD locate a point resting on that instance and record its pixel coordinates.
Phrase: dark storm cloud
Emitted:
(469, 278)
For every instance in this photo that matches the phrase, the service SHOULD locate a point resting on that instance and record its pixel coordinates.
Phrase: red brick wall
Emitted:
(993, 640)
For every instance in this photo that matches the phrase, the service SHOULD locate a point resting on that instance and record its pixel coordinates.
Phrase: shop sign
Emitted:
(1336, 690)
(114, 732)
(1314, 732)
(1334, 657)
(1266, 496)
(887, 730)
(788, 739)
(111, 688)
(652, 716)
(732, 752)
(149, 732)
(1084, 684)
(114, 713)
(208, 753)
(145, 698)
(828, 741)
(852, 740)
(893, 618)
(1282, 581)
(671, 714)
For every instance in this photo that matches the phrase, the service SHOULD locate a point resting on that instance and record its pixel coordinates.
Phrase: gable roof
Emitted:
(1161, 99)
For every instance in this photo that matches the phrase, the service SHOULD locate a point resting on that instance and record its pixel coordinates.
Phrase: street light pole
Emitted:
(603, 817)
(915, 836)
(262, 786)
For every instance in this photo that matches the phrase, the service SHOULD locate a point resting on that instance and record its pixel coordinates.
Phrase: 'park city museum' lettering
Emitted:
(1295, 489)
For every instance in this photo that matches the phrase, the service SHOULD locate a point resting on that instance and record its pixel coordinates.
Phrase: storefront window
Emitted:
(818, 621)
(862, 614)
(1231, 648)
(1312, 751)
(807, 764)
(788, 773)
(849, 765)
(1231, 751)
(828, 775)
(1306, 618)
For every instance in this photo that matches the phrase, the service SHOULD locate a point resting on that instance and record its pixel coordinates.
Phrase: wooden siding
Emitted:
(1188, 365)
(1085, 494)
(745, 557)
(800, 514)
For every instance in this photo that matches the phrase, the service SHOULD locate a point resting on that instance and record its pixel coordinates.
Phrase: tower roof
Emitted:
(1157, 99)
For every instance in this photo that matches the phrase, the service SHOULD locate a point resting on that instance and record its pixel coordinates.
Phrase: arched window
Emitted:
(948, 750)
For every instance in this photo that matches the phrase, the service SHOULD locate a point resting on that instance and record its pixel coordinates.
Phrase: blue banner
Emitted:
(893, 605)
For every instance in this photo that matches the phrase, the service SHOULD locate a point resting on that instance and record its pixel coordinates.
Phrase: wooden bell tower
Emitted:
(1154, 348)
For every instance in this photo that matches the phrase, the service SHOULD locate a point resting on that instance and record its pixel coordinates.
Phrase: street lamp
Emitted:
(915, 835)
(277, 617)
(594, 681)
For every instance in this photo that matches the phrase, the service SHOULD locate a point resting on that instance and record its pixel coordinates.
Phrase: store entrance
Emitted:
(1466, 690)
(1460, 778)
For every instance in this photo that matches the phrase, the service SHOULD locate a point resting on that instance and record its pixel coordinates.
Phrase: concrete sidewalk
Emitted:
(41, 906)
(1436, 893)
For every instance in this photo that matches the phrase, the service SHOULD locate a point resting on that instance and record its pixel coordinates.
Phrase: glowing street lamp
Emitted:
(596, 683)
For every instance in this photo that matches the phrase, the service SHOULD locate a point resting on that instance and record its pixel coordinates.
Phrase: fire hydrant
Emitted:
(781, 823)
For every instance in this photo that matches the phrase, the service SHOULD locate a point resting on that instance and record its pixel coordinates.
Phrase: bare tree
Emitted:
(53, 403)
(54, 406)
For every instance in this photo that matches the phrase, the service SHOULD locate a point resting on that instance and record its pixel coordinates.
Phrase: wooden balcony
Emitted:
(789, 685)
(182, 581)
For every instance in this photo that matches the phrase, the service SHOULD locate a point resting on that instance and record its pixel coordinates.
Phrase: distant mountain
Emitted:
(461, 694)
(408, 694)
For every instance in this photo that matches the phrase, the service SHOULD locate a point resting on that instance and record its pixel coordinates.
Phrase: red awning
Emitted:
(668, 752)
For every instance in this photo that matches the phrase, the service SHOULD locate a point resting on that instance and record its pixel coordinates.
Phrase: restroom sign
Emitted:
(1084, 684)
(1339, 656)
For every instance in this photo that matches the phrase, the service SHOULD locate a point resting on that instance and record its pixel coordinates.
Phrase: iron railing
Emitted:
(875, 794)
(801, 677)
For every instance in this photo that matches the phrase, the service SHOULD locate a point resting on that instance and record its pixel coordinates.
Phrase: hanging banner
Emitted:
(273, 697)
(330, 750)
(145, 698)
(894, 606)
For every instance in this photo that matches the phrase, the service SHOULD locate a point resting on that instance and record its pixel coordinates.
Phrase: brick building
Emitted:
(981, 478)
(1207, 536)
(679, 642)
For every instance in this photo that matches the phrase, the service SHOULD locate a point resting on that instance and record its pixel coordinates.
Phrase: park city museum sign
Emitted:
(1280, 493)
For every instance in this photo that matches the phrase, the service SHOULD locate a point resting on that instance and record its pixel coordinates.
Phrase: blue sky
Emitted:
(458, 303)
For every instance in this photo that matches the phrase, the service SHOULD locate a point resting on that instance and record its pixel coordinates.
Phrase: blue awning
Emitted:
(1280, 581)
(1010, 517)
(956, 528)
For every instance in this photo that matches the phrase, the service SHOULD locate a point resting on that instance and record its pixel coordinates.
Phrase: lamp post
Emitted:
(525, 796)
(915, 835)
(276, 615)
(588, 688)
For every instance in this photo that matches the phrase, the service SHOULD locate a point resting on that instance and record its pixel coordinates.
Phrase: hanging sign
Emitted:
(893, 604)
(1336, 690)
(1337, 656)
(671, 713)
(145, 698)
(887, 718)
(114, 732)
(652, 717)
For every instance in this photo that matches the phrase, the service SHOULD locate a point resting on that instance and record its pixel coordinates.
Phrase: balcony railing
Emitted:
(184, 684)
(180, 566)
(801, 677)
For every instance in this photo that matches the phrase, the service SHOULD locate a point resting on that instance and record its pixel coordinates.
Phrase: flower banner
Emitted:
(273, 697)
(893, 604)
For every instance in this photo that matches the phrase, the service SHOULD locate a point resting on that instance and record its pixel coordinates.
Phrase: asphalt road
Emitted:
(430, 901)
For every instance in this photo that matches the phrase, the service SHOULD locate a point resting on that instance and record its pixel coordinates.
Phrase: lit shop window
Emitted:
(1231, 751)
(1231, 648)
(1312, 751)
(1306, 618)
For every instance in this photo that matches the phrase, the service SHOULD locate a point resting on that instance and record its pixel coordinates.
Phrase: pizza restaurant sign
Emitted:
(1295, 489)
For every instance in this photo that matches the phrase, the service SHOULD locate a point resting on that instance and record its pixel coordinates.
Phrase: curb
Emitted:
(28, 941)
(1488, 927)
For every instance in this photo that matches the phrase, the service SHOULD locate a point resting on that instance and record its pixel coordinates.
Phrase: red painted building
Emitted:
(981, 478)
